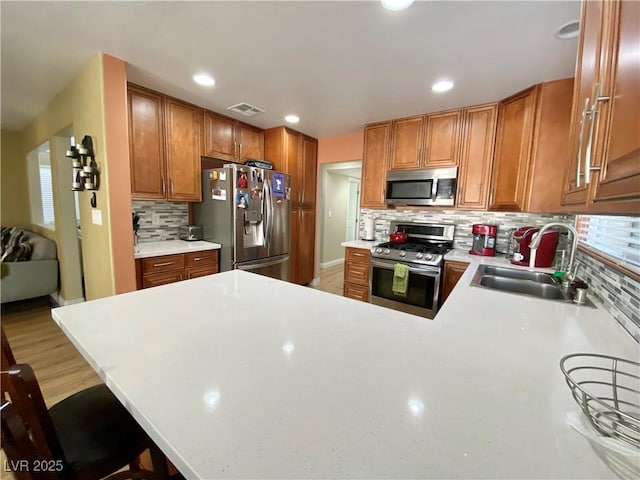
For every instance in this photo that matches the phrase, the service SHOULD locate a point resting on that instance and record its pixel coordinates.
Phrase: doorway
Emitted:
(353, 210)
(339, 209)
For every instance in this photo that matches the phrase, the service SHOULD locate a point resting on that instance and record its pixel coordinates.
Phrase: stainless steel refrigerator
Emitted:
(247, 210)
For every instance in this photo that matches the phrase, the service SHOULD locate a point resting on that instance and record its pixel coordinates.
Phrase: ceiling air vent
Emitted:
(246, 109)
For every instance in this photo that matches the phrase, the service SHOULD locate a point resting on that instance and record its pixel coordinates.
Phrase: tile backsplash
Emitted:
(463, 221)
(171, 215)
(618, 294)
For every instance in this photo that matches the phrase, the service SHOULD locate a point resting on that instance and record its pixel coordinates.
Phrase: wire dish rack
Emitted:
(607, 389)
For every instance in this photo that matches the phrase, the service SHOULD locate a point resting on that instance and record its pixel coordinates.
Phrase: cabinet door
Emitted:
(162, 264)
(202, 271)
(218, 137)
(357, 292)
(476, 157)
(294, 250)
(587, 72)
(205, 257)
(443, 136)
(158, 279)
(250, 142)
(513, 151)
(452, 273)
(406, 143)
(306, 242)
(183, 151)
(291, 165)
(146, 144)
(308, 168)
(550, 150)
(374, 165)
(356, 273)
(617, 187)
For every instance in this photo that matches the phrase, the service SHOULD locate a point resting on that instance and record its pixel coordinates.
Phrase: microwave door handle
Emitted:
(434, 188)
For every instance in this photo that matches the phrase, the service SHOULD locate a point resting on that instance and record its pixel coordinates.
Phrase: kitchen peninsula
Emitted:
(245, 376)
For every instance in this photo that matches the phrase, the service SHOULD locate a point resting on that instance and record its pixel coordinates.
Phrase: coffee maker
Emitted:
(484, 240)
(522, 239)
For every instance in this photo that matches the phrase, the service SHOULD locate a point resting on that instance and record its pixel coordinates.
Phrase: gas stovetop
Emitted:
(411, 252)
(427, 243)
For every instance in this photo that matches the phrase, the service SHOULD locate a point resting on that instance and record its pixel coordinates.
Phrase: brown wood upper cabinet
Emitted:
(164, 146)
(375, 161)
(603, 175)
(476, 155)
(228, 139)
(407, 143)
(443, 139)
(296, 154)
(426, 141)
(183, 151)
(531, 148)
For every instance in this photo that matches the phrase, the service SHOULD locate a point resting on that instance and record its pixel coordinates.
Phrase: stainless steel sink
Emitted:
(538, 277)
(522, 282)
(525, 287)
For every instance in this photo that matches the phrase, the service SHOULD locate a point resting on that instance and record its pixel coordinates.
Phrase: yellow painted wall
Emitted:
(81, 104)
(14, 186)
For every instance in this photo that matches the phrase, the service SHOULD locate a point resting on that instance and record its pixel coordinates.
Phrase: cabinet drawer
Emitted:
(357, 273)
(162, 264)
(200, 271)
(357, 255)
(357, 292)
(163, 278)
(199, 258)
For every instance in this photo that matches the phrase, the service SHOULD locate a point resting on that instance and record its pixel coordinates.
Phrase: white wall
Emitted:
(336, 196)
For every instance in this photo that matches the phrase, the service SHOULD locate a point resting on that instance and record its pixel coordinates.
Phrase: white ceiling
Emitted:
(338, 65)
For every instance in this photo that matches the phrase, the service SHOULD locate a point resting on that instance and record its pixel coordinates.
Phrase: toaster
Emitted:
(190, 232)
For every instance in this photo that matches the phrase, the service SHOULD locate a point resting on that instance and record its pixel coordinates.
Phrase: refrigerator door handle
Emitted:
(265, 222)
(271, 214)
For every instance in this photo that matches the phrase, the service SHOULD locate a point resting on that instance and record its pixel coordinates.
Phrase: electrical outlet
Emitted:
(155, 219)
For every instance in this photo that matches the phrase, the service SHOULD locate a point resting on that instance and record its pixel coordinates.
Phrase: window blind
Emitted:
(616, 237)
(46, 194)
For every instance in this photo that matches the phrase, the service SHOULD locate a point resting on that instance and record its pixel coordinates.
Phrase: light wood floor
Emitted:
(37, 340)
(331, 279)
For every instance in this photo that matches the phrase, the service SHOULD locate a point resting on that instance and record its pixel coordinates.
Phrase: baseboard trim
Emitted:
(61, 301)
(315, 282)
(332, 263)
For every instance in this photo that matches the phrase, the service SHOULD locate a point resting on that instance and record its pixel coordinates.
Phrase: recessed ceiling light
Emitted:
(395, 5)
(442, 86)
(204, 80)
(292, 118)
(568, 30)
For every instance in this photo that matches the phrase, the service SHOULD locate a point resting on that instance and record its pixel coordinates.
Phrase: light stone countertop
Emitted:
(260, 378)
(365, 244)
(170, 247)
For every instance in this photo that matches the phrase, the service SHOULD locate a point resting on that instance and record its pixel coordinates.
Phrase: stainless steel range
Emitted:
(423, 253)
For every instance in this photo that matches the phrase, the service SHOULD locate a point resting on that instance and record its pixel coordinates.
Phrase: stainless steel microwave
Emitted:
(424, 187)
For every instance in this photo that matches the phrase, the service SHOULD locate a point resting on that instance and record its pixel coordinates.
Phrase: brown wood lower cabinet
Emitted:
(155, 271)
(452, 273)
(356, 274)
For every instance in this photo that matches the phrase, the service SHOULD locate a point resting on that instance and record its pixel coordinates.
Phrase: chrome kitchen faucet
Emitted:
(574, 244)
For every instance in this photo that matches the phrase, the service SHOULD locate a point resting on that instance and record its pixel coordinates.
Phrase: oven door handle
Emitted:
(426, 271)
